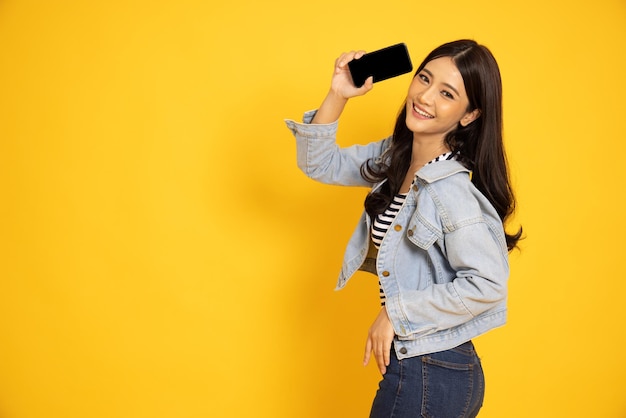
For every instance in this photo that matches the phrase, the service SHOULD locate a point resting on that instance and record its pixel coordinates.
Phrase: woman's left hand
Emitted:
(379, 339)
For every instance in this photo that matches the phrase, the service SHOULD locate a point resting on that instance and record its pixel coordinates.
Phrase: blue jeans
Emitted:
(447, 384)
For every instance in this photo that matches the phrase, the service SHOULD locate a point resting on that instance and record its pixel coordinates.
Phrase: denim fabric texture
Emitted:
(446, 384)
(443, 265)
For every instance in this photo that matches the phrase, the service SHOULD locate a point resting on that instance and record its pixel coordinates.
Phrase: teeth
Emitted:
(426, 115)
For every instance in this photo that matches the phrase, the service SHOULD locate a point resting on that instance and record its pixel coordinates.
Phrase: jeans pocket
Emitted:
(452, 384)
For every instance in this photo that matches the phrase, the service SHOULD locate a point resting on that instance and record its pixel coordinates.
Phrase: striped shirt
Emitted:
(383, 221)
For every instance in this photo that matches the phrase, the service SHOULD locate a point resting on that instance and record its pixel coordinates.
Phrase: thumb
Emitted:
(368, 85)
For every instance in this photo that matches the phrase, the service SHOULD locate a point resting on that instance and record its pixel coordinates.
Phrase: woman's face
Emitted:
(437, 100)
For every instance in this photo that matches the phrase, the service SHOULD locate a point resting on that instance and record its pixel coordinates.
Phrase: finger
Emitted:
(387, 355)
(339, 62)
(380, 359)
(344, 59)
(382, 366)
(358, 54)
(368, 351)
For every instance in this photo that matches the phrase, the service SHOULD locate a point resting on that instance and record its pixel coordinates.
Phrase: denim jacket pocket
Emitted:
(422, 233)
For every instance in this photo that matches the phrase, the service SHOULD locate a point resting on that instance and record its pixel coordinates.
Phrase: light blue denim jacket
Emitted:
(443, 264)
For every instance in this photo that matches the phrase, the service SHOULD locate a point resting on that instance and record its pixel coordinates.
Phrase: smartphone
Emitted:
(382, 64)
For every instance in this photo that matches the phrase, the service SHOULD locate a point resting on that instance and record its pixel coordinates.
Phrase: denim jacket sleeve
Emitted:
(474, 248)
(479, 286)
(321, 159)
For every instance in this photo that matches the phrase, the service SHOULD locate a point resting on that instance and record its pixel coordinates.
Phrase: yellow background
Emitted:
(162, 256)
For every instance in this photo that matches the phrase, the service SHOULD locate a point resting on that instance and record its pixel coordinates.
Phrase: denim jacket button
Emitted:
(386, 273)
(410, 232)
(415, 188)
(398, 227)
(403, 350)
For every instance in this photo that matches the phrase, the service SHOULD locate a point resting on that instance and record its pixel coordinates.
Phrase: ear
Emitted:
(470, 117)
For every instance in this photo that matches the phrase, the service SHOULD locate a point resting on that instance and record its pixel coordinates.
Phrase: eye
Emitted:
(423, 77)
(447, 94)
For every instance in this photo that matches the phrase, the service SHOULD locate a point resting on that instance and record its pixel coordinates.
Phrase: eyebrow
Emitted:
(445, 84)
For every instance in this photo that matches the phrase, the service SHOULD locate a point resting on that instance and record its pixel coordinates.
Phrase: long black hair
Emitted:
(478, 145)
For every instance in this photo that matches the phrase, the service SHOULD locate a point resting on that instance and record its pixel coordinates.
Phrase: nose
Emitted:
(426, 96)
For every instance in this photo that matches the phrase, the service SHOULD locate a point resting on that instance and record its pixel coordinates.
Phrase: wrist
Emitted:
(336, 97)
(331, 108)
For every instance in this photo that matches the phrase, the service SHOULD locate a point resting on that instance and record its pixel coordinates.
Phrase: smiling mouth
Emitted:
(422, 113)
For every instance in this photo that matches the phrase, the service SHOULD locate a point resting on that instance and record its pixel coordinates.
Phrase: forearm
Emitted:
(330, 109)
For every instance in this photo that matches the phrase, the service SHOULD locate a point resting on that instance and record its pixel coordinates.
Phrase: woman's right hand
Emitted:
(342, 84)
(341, 89)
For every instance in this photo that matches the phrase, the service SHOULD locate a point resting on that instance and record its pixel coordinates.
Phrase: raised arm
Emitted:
(319, 156)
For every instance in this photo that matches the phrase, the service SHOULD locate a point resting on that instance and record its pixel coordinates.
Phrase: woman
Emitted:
(432, 230)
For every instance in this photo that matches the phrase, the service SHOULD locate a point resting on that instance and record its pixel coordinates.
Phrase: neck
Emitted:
(425, 150)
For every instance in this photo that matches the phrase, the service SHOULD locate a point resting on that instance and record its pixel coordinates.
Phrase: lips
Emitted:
(421, 112)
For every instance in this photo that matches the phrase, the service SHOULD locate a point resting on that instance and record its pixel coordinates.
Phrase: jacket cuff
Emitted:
(306, 129)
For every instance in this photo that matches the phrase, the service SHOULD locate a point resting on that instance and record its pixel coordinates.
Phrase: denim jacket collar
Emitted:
(440, 170)
(431, 173)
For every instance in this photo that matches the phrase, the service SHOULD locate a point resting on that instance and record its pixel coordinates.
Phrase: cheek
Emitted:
(414, 87)
(454, 111)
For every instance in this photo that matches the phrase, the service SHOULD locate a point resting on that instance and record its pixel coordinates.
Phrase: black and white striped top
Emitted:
(383, 221)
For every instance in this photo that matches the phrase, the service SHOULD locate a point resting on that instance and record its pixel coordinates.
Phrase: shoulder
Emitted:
(448, 187)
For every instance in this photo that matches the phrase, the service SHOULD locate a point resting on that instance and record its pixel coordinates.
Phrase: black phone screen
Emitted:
(382, 64)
